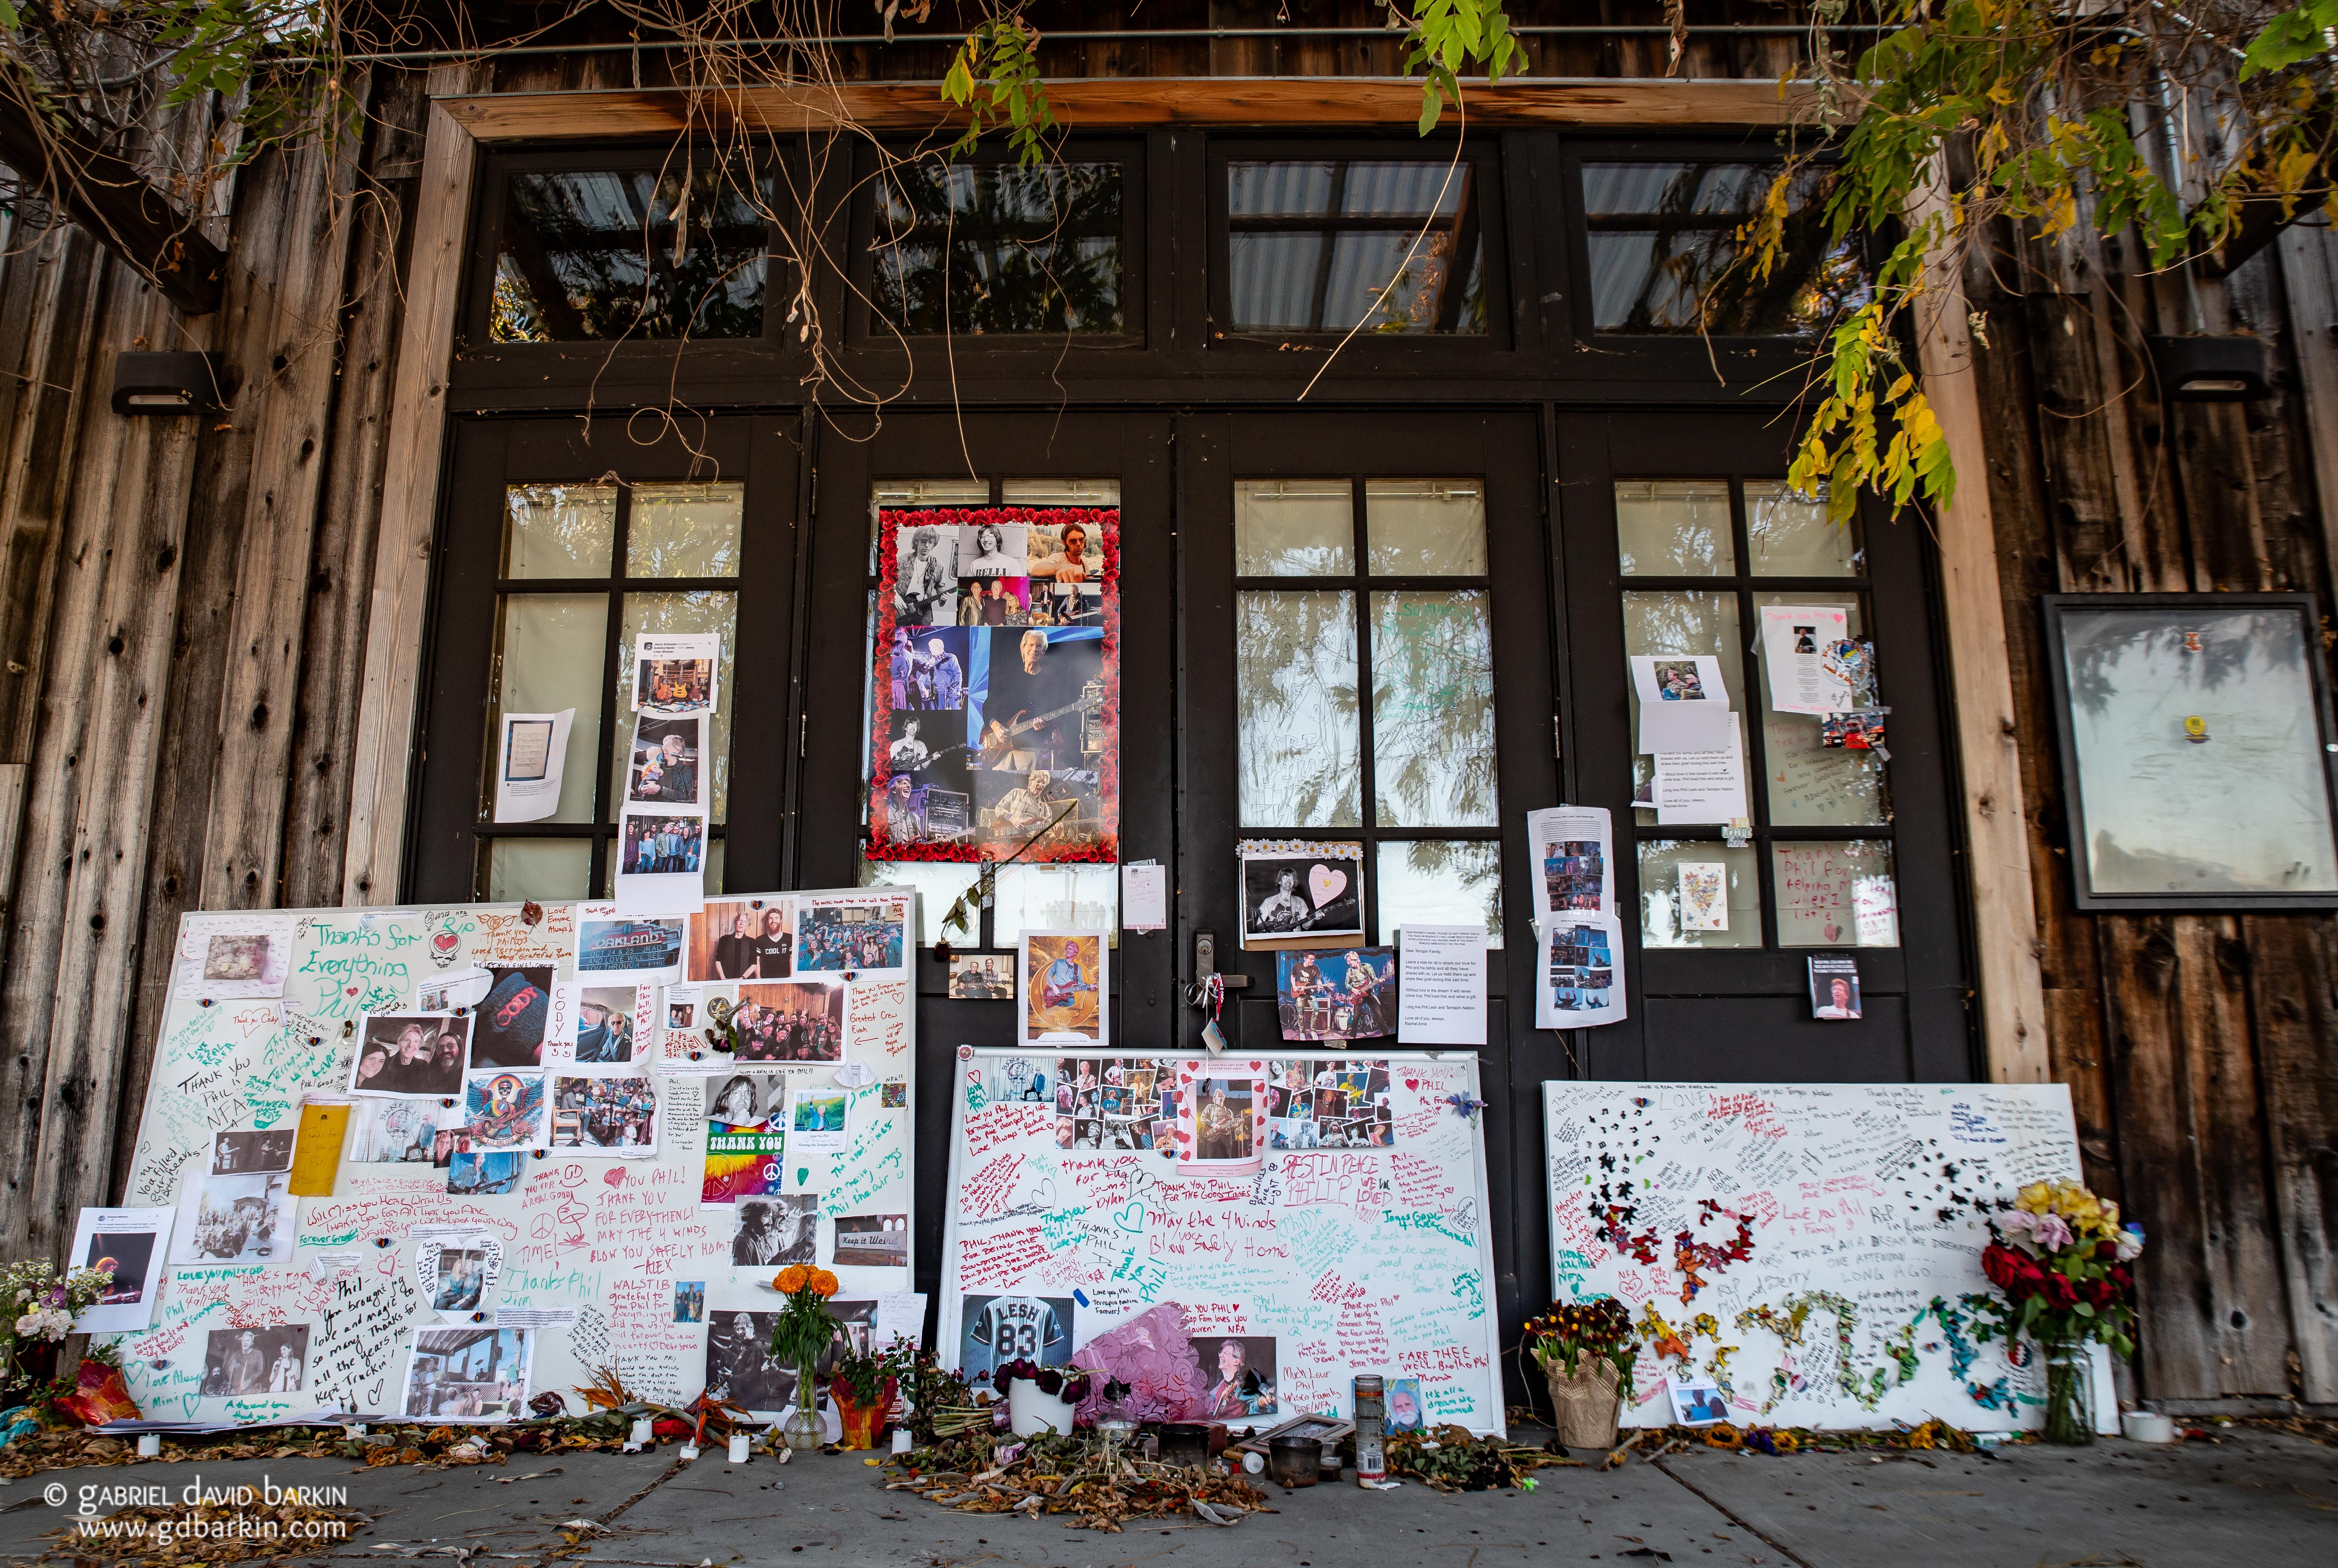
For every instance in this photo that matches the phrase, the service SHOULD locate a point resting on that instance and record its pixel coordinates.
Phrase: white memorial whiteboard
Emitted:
(616, 1240)
(1857, 1207)
(1325, 1218)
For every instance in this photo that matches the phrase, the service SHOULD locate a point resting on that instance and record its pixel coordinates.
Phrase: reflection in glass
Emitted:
(1295, 691)
(592, 253)
(1294, 528)
(1791, 536)
(701, 611)
(1433, 882)
(548, 652)
(1811, 785)
(1034, 250)
(1326, 245)
(1674, 528)
(939, 883)
(1059, 491)
(1679, 621)
(685, 530)
(1676, 912)
(1432, 710)
(1425, 527)
(1064, 898)
(2200, 767)
(559, 530)
(1839, 893)
(1662, 235)
(543, 869)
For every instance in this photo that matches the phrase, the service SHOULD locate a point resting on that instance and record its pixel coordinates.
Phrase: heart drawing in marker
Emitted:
(1323, 884)
(1130, 1216)
(803, 1174)
(1412, 1082)
(351, 990)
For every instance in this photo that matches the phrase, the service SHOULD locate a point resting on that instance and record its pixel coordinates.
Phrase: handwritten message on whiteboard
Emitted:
(608, 1261)
(1806, 1247)
(1350, 1236)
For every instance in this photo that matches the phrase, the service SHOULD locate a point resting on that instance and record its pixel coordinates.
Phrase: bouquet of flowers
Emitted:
(37, 1310)
(805, 1325)
(2061, 1258)
(866, 1372)
(1053, 1381)
(1572, 1330)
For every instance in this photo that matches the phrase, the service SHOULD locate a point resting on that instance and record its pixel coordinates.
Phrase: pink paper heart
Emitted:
(352, 990)
(1833, 932)
(1323, 884)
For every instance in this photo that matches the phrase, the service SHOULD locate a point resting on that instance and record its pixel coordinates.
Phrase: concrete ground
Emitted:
(2264, 1499)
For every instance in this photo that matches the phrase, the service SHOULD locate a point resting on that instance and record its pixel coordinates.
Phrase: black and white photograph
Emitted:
(412, 1055)
(462, 1278)
(1302, 890)
(993, 549)
(739, 1366)
(982, 976)
(507, 1026)
(466, 1375)
(775, 1231)
(666, 764)
(239, 1362)
(925, 584)
(243, 1153)
(234, 1220)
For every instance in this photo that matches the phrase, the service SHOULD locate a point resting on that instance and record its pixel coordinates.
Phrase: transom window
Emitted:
(1701, 559)
(990, 247)
(1364, 680)
(584, 569)
(1314, 244)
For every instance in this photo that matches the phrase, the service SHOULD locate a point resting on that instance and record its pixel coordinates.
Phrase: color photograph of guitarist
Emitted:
(1060, 988)
(1032, 716)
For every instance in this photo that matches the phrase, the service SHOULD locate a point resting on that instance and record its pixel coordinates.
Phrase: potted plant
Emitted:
(1039, 1399)
(1585, 1351)
(803, 1330)
(2061, 1258)
(863, 1385)
(37, 1310)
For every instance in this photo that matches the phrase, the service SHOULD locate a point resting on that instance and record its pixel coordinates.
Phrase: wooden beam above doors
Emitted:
(1132, 101)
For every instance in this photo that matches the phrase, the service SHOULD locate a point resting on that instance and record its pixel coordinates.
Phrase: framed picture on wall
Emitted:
(2198, 750)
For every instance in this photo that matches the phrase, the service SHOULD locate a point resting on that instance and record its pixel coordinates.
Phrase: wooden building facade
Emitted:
(237, 667)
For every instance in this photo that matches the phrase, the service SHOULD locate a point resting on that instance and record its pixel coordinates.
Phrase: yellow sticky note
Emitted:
(317, 1157)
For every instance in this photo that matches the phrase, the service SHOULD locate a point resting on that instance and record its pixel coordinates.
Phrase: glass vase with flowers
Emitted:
(802, 1331)
(2058, 1257)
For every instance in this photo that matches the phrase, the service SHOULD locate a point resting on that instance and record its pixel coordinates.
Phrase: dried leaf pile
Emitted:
(174, 1536)
(1450, 1460)
(1073, 1476)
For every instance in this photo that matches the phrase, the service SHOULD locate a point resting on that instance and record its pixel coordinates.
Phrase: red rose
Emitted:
(2000, 1264)
(2121, 1281)
(2106, 1250)
(2099, 1292)
(2060, 1292)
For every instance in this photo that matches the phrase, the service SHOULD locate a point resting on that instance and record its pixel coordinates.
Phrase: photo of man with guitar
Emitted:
(1063, 988)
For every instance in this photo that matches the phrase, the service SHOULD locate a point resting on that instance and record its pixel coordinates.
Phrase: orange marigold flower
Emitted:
(824, 1283)
(790, 1279)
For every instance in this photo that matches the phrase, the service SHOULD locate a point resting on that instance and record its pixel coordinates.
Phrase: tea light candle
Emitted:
(641, 1437)
(902, 1442)
(738, 1442)
(150, 1445)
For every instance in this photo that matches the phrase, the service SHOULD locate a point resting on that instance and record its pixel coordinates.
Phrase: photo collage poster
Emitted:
(995, 699)
(1578, 931)
(662, 827)
(468, 1250)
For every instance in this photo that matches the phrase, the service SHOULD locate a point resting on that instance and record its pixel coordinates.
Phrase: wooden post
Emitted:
(2004, 913)
(381, 769)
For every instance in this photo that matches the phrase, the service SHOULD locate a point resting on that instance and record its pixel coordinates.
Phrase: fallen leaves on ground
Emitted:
(176, 1536)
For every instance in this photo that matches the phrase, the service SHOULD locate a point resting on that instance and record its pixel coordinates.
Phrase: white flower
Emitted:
(2130, 1243)
(53, 1324)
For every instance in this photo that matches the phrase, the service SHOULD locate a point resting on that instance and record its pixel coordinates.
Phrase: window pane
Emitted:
(559, 530)
(1678, 909)
(548, 652)
(1791, 536)
(685, 530)
(1835, 895)
(1683, 620)
(1030, 250)
(1812, 784)
(1295, 687)
(939, 883)
(1428, 882)
(1425, 527)
(543, 869)
(590, 253)
(1329, 245)
(704, 610)
(1059, 491)
(1294, 528)
(1070, 897)
(1432, 709)
(1663, 234)
(1674, 528)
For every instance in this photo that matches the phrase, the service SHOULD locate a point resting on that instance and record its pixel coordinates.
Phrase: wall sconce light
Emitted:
(166, 384)
(2229, 369)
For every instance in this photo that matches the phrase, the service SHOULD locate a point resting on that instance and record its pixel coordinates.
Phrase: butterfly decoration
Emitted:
(1466, 1105)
